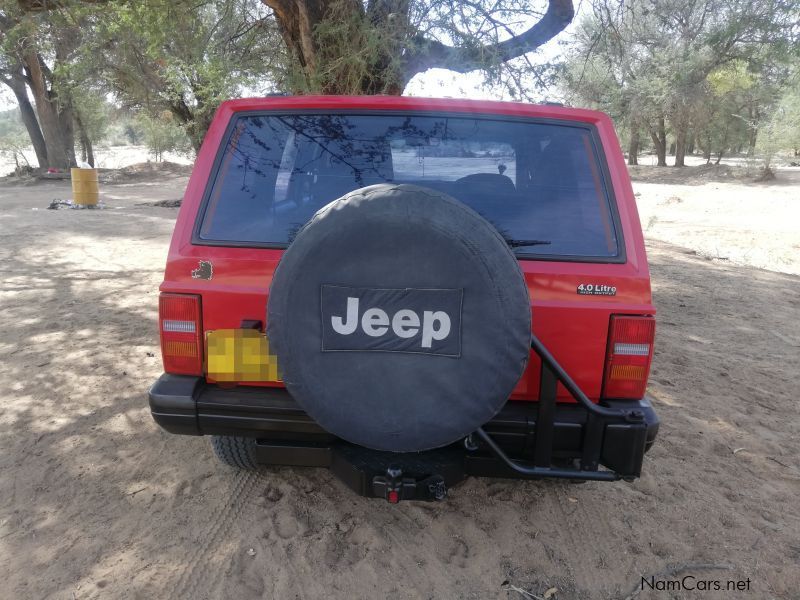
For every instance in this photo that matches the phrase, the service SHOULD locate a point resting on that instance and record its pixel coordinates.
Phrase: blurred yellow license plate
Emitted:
(240, 355)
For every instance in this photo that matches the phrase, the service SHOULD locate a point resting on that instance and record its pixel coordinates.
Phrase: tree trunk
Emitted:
(55, 120)
(194, 124)
(66, 122)
(751, 142)
(707, 150)
(659, 137)
(28, 115)
(680, 145)
(87, 151)
(753, 115)
(723, 143)
(633, 144)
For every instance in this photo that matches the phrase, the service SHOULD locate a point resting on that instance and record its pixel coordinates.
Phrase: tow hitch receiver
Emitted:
(395, 487)
(394, 477)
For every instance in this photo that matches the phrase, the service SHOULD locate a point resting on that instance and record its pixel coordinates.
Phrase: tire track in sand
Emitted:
(198, 576)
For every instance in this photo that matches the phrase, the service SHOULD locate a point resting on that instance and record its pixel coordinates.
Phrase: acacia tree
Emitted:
(614, 65)
(781, 131)
(659, 54)
(182, 57)
(32, 52)
(377, 46)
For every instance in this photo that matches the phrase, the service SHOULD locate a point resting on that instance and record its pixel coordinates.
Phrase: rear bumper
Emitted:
(287, 435)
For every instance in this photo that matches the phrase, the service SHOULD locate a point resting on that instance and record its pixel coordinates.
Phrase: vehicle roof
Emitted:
(413, 103)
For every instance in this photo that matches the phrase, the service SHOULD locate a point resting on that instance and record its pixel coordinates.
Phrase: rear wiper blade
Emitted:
(524, 243)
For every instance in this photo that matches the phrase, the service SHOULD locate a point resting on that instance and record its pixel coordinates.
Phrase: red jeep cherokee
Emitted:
(409, 291)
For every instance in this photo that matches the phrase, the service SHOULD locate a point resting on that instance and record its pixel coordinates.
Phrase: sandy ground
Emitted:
(722, 217)
(97, 502)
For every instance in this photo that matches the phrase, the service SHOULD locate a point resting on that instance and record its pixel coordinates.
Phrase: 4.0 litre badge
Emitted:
(596, 289)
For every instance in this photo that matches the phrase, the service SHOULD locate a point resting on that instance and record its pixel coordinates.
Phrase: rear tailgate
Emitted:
(574, 327)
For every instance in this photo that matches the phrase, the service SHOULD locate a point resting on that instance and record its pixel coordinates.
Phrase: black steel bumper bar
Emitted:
(524, 440)
(532, 471)
(598, 418)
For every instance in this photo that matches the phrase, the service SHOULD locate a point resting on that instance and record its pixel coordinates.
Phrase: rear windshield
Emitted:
(540, 184)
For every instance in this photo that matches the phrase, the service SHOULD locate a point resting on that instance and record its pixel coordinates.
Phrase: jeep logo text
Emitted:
(424, 321)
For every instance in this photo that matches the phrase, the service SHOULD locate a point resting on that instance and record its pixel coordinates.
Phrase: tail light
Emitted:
(628, 358)
(181, 331)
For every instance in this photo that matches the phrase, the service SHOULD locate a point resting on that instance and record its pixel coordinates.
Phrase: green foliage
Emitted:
(710, 70)
(180, 56)
(731, 78)
(124, 127)
(10, 124)
(782, 130)
(13, 137)
(162, 134)
(95, 112)
(721, 121)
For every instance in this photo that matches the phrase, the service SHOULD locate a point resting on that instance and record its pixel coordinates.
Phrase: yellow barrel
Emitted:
(84, 186)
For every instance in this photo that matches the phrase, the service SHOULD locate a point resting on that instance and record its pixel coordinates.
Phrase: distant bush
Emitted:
(14, 139)
(161, 135)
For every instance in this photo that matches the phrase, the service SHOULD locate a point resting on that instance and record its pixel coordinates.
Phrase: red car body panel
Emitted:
(573, 327)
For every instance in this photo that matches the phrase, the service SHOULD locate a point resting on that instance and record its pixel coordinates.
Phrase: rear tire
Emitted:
(235, 451)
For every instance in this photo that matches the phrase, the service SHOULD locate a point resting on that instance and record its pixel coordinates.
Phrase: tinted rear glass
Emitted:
(540, 184)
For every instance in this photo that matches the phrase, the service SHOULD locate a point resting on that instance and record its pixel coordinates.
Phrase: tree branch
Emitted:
(427, 54)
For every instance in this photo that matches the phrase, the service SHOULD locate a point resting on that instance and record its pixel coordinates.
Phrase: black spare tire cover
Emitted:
(400, 318)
